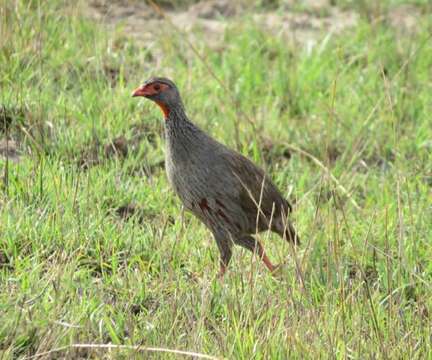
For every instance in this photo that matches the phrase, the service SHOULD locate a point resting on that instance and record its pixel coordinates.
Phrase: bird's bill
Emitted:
(142, 91)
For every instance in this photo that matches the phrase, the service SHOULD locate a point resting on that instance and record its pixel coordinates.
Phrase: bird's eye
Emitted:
(156, 87)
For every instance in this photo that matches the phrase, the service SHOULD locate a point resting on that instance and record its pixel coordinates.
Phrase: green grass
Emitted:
(74, 270)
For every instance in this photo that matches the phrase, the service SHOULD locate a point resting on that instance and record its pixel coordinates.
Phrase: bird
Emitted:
(227, 192)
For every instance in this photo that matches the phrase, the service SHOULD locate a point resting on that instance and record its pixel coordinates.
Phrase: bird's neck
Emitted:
(176, 117)
(177, 124)
(175, 113)
(165, 109)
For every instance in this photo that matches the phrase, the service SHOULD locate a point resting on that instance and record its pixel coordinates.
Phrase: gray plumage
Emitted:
(218, 185)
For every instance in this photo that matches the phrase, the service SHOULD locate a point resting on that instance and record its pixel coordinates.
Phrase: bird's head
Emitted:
(162, 91)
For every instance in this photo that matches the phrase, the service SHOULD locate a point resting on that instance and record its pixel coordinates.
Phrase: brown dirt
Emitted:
(274, 153)
(9, 150)
(88, 154)
(117, 147)
(126, 211)
(10, 117)
(211, 17)
(4, 260)
(404, 18)
(94, 152)
(304, 25)
(131, 210)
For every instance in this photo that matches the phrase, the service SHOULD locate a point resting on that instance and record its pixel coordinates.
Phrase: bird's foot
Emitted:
(272, 268)
(276, 272)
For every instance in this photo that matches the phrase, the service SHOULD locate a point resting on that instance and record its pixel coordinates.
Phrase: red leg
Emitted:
(255, 246)
(222, 272)
(265, 258)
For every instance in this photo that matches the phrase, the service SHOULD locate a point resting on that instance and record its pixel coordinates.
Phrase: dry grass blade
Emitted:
(124, 347)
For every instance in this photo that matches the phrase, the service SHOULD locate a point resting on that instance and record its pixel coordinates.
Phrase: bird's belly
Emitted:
(201, 191)
(188, 185)
(210, 206)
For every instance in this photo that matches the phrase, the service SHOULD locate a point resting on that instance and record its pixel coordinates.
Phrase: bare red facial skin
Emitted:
(153, 89)
(150, 89)
(165, 109)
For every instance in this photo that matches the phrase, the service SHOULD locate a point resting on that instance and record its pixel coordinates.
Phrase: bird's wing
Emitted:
(254, 187)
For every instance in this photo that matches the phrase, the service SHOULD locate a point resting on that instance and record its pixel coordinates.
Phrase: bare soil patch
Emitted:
(9, 150)
(211, 17)
(305, 25)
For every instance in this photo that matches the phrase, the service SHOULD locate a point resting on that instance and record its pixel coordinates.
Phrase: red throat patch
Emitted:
(165, 109)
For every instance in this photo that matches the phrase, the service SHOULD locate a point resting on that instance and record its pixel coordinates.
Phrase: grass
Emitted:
(94, 247)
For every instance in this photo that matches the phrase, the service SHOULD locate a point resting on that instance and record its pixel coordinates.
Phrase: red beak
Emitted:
(140, 91)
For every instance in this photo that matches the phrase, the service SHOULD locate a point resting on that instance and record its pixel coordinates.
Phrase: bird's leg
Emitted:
(225, 249)
(225, 258)
(222, 271)
(248, 242)
(265, 259)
